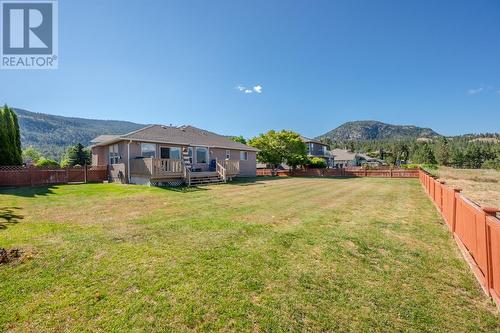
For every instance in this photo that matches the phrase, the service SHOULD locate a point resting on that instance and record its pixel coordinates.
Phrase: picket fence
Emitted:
(476, 230)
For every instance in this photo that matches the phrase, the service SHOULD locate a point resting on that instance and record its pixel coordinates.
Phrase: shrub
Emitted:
(317, 163)
(491, 164)
(410, 166)
(45, 162)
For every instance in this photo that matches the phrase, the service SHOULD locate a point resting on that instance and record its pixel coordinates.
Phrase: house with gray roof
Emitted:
(170, 155)
(343, 158)
(316, 148)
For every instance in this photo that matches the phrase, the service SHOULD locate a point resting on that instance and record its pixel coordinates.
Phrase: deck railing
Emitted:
(156, 167)
(232, 167)
(221, 171)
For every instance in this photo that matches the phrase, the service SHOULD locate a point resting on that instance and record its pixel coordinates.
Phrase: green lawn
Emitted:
(297, 254)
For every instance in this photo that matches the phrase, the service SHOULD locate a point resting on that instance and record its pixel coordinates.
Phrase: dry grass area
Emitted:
(271, 255)
(480, 185)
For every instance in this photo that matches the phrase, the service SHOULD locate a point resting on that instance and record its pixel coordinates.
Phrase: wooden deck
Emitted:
(159, 170)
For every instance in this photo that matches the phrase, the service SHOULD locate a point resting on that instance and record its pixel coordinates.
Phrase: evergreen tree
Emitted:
(424, 154)
(10, 138)
(442, 151)
(77, 155)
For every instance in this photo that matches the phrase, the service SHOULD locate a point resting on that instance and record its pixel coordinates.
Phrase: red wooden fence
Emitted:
(350, 172)
(475, 229)
(31, 176)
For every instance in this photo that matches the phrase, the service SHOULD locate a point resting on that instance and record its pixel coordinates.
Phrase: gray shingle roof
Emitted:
(183, 135)
(306, 140)
(343, 155)
(102, 138)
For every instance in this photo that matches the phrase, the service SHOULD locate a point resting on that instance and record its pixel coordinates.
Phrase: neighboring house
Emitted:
(370, 161)
(319, 149)
(343, 158)
(315, 148)
(159, 155)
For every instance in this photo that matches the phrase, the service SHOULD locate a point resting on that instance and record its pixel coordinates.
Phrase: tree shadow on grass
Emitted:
(28, 192)
(9, 216)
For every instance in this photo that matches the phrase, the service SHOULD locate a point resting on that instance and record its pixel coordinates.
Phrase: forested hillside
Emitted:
(466, 151)
(375, 130)
(52, 135)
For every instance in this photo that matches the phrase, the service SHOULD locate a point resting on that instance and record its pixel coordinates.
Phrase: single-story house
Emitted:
(169, 155)
(343, 158)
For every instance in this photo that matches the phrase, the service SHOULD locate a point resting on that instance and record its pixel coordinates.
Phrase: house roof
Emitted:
(307, 140)
(103, 138)
(343, 155)
(183, 135)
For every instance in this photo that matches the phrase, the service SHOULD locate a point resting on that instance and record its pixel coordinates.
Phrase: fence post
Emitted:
(456, 192)
(391, 171)
(85, 173)
(442, 182)
(488, 211)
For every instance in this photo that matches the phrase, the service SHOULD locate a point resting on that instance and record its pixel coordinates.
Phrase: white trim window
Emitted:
(114, 155)
(201, 155)
(148, 150)
(228, 154)
(243, 156)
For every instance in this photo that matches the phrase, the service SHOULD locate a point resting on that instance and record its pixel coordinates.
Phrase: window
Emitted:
(201, 155)
(243, 155)
(148, 150)
(170, 153)
(114, 156)
(228, 154)
(190, 154)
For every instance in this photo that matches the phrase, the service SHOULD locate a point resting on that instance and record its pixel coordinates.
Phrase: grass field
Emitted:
(479, 185)
(295, 255)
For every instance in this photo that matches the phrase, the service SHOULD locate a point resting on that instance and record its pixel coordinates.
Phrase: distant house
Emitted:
(316, 148)
(343, 158)
(160, 155)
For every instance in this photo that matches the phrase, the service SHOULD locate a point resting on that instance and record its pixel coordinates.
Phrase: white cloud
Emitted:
(256, 89)
(475, 91)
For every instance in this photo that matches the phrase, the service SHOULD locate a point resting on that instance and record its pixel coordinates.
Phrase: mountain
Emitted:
(51, 134)
(376, 130)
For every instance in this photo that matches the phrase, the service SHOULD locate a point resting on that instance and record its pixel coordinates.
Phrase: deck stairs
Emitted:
(205, 178)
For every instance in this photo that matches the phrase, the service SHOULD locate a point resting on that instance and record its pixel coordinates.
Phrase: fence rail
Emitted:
(475, 229)
(34, 176)
(349, 172)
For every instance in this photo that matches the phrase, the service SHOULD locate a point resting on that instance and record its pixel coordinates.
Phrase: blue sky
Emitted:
(315, 63)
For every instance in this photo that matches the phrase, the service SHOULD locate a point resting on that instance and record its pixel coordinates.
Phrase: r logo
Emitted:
(29, 28)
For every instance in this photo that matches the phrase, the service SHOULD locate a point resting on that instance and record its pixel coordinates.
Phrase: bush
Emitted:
(45, 162)
(410, 166)
(317, 163)
(491, 164)
(427, 166)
